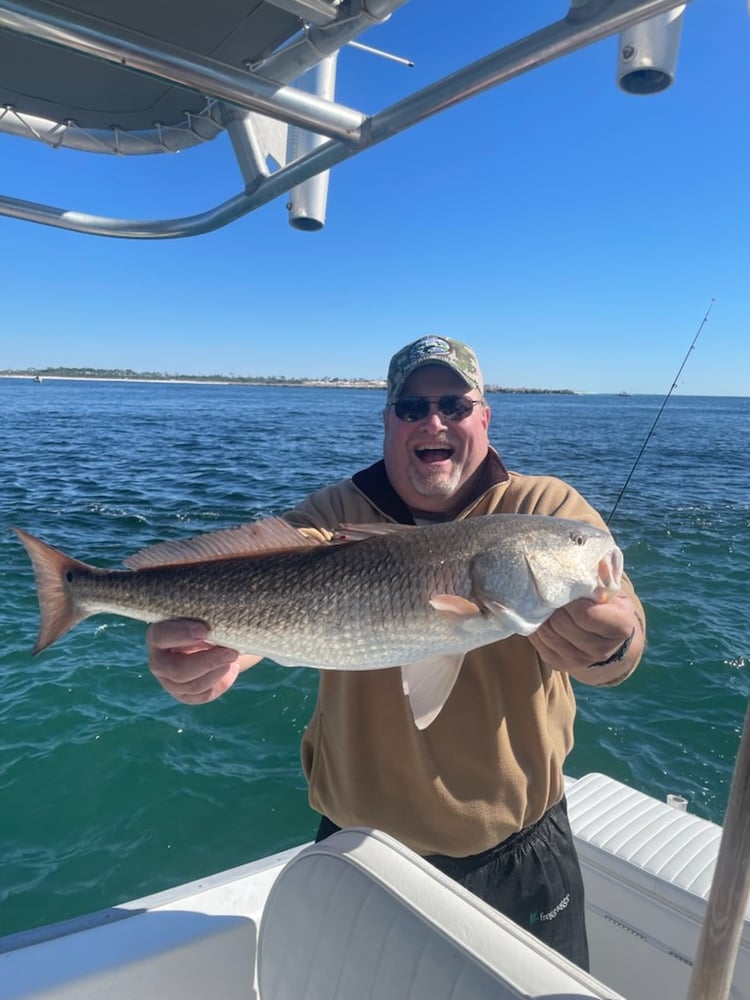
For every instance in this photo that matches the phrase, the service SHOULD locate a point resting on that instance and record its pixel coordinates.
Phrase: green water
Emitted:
(110, 790)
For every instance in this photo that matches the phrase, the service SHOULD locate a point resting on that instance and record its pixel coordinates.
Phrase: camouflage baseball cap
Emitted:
(433, 350)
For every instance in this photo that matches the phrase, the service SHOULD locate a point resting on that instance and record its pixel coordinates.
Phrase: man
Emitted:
(480, 791)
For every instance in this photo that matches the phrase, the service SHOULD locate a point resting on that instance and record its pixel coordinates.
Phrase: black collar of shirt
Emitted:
(374, 483)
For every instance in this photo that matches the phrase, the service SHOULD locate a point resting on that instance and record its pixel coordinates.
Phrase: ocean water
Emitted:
(110, 790)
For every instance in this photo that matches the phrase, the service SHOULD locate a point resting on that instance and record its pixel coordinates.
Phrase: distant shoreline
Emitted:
(76, 375)
(198, 380)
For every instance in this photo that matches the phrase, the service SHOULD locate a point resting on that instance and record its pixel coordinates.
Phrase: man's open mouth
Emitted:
(431, 453)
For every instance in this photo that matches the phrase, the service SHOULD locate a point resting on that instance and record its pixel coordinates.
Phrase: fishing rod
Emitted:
(661, 410)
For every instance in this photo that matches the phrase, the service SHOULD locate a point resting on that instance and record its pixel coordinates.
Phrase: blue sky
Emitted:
(574, 235)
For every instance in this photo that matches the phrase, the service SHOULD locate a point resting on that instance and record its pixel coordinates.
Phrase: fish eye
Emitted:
(578, 538)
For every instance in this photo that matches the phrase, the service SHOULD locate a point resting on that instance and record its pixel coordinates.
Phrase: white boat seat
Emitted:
(360, 917)
(649, 867)
(149, 956)
(190, 943)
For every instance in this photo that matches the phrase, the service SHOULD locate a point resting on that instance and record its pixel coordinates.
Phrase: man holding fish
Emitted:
(476, 786)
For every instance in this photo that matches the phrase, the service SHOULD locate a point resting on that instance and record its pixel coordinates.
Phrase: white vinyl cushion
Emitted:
(360, 917)
(642, 837)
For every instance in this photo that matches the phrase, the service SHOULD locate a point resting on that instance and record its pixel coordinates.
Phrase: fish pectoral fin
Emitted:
(273, 534)
(454, 607)
(514, 623)
(427, 684)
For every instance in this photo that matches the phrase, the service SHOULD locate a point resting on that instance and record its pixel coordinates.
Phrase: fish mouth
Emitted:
(431, 454)
(609, 575)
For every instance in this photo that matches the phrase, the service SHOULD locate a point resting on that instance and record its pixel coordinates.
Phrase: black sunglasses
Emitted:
(413, 408)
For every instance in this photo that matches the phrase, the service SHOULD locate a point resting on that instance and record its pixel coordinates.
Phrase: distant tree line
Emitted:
(531, 392)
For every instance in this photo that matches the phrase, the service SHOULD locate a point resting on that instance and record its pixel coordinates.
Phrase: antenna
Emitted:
(661, 410)
(384, 55)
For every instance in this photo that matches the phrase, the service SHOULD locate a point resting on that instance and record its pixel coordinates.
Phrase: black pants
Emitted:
(533, 877)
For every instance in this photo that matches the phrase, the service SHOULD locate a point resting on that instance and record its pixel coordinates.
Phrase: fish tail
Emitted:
(57, 606)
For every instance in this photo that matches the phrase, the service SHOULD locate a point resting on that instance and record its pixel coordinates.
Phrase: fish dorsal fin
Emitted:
(358, 532)
(427, 684)
(271, 535)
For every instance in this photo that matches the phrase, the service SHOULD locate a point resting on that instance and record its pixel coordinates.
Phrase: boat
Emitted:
(357, 916)
(360, 916)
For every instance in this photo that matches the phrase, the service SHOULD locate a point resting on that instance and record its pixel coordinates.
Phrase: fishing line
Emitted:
(661, 410)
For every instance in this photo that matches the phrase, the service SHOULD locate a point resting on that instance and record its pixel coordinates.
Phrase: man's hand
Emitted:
(187, 665)
(584, 633)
